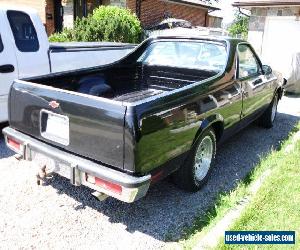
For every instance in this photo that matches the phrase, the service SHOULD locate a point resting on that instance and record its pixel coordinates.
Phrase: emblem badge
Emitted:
(54, 104)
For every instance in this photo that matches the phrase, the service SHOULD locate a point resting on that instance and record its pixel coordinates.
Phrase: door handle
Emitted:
(7, 68)
(257, 81)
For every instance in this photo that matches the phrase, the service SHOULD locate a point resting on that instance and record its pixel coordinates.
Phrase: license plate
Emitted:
(55, 127)
(51, 165)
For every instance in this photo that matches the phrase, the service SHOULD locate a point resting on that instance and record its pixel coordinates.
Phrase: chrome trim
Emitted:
(133, 188)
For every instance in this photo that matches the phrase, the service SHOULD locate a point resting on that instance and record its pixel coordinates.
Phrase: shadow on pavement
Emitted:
(166, 210)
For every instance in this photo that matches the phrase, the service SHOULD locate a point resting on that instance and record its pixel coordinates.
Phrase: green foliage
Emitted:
(107, 23)
(239, 27)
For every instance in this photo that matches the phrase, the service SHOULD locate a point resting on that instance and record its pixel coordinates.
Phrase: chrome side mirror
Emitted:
(267, 70)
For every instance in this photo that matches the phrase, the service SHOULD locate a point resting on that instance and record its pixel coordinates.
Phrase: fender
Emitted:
(209, 122)
(280, 89)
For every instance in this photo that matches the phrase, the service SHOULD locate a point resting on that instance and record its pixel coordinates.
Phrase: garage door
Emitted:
(280, 42)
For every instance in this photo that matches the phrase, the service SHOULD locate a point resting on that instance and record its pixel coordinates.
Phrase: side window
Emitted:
(1, 45)
(248, 64)
(24, 32)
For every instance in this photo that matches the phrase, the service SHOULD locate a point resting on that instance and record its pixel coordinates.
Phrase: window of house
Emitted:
(248, 64)
(24, 32)
(1, 45)
(82, 8)
(196, 55)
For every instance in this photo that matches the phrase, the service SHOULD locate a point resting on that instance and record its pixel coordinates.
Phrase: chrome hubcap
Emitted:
(274, 109)
(203, 158)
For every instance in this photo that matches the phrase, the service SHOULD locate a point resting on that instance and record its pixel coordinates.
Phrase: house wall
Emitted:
(39, 5)
(49, 16)
(42, 7)
(257, 22)
(214, 21)
(154, 11)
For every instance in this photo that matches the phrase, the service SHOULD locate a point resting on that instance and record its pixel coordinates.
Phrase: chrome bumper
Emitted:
(133, 188)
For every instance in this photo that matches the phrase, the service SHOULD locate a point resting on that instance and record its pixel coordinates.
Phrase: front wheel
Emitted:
(197, 167)
(268, 117)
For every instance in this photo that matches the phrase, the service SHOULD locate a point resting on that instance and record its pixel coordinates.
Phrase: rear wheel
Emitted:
(197, 167)
(269, 116)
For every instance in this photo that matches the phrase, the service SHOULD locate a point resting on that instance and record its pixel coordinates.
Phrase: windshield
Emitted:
(185, 54)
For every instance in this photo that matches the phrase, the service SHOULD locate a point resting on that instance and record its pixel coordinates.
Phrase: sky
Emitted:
(227, 11)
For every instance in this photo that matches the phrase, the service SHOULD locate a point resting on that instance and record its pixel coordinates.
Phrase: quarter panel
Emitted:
(167, 127)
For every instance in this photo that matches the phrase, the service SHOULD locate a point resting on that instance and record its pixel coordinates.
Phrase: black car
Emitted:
(160, 110)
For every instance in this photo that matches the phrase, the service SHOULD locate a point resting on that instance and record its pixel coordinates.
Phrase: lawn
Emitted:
(276, 205)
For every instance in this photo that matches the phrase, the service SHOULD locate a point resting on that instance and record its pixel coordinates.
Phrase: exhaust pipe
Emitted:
(100, 196)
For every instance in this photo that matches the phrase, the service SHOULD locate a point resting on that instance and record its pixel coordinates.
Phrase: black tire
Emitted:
(268, 117)
(186, 177)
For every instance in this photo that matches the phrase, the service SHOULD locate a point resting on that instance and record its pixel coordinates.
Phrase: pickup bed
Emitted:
(26, 52)
(160, 110)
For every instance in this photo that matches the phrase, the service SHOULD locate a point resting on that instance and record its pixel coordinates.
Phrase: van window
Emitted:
(1, 45)
(24, 32)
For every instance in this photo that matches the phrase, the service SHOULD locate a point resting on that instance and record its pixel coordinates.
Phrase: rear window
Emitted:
(184, 54)
(24, 32)
(1, 45)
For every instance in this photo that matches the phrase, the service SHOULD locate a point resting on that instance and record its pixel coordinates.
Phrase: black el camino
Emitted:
(159, 111)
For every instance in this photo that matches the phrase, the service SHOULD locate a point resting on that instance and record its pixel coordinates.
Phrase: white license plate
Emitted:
(51, 165)
(55, 127)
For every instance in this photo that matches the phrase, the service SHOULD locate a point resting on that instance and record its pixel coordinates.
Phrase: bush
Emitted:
(107, 23)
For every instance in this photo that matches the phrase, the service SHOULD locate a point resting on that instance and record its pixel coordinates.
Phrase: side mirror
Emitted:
(267, 70)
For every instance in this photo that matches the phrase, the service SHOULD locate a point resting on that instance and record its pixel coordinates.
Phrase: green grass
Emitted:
(276, 206)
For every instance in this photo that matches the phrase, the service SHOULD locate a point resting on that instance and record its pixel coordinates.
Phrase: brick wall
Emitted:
(42, 7)
(49, 9)
(154, 11)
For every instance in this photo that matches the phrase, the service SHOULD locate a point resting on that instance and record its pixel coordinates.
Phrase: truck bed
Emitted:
(124, 83)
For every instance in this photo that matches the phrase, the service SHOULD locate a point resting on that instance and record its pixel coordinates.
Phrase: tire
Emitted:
(268, 117)
(197, 167)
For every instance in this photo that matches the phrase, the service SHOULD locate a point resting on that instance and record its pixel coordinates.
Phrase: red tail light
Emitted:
(14, 144)
(105, 184)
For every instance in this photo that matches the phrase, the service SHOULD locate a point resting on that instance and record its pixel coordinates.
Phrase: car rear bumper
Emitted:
(111, 182)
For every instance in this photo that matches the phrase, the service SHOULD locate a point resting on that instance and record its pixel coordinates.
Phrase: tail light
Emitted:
(15, 145)
(104, 184)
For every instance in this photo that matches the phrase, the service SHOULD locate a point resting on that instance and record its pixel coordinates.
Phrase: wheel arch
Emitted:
(216, 122)
(280, 89)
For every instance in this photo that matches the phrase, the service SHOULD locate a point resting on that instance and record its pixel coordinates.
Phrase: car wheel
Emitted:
(269, 116)
(195, 171)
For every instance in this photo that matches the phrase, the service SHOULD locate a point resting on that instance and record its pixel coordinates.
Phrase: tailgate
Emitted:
(90, 127)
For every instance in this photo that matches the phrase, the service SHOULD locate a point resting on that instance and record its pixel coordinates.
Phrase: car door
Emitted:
(256, 87)
(31, 43)
(8, 68)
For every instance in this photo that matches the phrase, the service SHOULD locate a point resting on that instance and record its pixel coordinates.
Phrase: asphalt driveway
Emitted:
(59, 215)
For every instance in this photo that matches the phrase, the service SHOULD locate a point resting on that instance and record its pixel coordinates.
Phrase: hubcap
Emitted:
(203, 158)
(274, 109)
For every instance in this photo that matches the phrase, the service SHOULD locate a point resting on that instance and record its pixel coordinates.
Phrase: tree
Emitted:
(239, 26)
